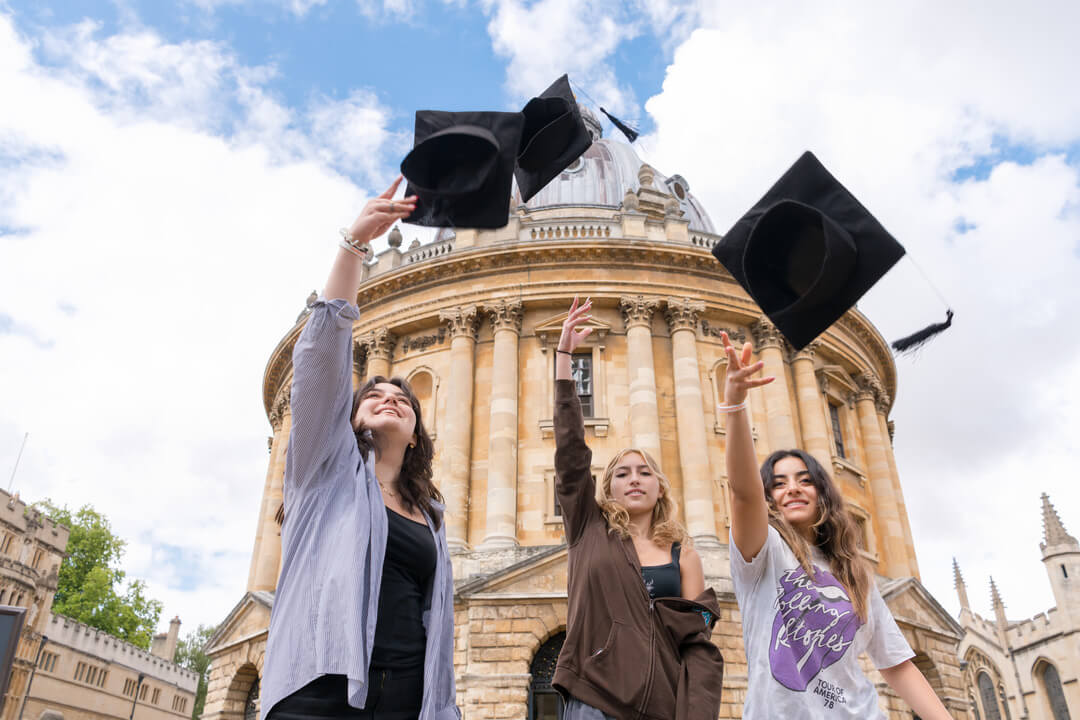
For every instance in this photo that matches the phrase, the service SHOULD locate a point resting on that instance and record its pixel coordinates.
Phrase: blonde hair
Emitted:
(665, 526)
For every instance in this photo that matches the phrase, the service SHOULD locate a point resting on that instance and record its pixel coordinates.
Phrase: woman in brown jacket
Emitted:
(637, 638)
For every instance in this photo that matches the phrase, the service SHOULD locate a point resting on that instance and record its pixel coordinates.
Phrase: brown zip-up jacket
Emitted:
(625, 654)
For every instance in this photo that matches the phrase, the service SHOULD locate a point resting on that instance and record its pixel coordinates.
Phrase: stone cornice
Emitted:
(505, 315)
(683, 313)
(637, 310)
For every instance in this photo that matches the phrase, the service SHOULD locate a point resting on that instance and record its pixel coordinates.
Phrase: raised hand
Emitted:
(571, 336)
(740, 371)
(380, 213)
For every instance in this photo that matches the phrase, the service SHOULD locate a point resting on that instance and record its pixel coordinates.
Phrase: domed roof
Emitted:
(601, 177)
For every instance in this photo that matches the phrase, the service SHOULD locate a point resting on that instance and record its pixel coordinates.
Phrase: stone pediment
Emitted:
(911, 603)
(249, 618)
(549, 330)
(542, 575)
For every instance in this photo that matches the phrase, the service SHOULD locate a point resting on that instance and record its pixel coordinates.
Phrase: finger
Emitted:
(747, 351)
(758, 382)
(725, 339)
(389, 193)
(749, 370)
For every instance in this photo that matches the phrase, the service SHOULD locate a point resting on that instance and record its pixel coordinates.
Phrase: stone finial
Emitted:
(414, 244)
(505, 315)
(637, 309)
(646, 175)
(394, 238)
(1053, 529)
(961, 587)
(631, 202)
(683, 313)
(461, 320)
(672, 209)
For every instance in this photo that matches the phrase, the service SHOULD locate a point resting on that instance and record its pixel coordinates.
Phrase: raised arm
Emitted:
(574, 483)
(322, 358)
(749, 511)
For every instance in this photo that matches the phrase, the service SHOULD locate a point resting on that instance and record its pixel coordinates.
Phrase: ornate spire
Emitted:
(995, 596)
(1053, 530)
(961, 587)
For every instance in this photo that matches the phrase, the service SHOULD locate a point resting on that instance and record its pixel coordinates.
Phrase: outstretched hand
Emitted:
(740, 371)
(380, 213)
(571, 336)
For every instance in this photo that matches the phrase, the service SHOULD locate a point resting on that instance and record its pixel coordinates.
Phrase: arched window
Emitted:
(1054, 694)
(544, 702)
(974, 707)
(989, 697)
(251, 705)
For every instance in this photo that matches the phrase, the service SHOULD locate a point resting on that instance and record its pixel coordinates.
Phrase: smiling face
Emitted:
(386, 410)
(634, 485)
(794, 493)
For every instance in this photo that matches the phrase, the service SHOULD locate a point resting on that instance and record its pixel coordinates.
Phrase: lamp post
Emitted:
(136, 698)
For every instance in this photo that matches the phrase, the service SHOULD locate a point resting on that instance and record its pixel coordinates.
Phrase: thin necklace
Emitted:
(391, 493)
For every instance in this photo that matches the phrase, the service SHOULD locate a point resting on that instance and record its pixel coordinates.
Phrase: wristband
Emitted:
(565, 352)
(728, 409)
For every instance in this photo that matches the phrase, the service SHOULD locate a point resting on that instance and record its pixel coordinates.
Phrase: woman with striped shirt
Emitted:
(362, 623)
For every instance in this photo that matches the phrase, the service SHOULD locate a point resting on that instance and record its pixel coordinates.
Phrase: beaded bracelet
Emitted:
(727, 409)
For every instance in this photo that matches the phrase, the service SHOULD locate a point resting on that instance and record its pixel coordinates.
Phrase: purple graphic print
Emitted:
(815, 625)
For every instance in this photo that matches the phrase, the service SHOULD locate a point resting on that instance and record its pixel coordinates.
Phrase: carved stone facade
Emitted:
(652, 374)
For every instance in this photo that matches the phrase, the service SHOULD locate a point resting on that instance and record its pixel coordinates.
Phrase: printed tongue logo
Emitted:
(815, 625)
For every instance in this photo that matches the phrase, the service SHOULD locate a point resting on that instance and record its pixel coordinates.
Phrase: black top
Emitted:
(664, 580)
(400, 640)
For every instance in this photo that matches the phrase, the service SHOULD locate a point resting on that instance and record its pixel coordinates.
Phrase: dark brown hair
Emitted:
(835, 531)
(416, 480)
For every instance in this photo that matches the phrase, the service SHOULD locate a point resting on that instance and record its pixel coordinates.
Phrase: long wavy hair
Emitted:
(835, 532)
(665, 527)
(416, 479)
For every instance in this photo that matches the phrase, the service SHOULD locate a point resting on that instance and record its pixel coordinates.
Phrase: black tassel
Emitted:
(917, 340)
(628, 131)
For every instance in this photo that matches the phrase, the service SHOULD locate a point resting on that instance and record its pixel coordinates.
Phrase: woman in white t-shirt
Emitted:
(809, 603)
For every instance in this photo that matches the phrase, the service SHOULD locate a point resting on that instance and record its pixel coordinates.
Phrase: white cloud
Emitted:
(894, 100)
(162, 219)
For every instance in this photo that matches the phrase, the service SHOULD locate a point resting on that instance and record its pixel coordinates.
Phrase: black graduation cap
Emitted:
(461, 168)
(554, 136)
(807, 251)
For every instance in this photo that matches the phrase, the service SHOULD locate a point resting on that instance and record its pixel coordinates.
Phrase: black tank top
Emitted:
(664, 580)
(400, 640)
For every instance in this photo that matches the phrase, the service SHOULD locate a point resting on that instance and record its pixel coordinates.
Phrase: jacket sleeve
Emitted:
(574, 483)
(321, 387)
(698, 694)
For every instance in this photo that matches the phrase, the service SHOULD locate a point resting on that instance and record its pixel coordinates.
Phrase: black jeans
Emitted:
(392, 695)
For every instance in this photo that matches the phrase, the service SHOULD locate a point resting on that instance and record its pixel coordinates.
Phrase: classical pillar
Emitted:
(682, 316)
(266, 557)
(892, 545)
(815, 433)
(380, 350)
(769, 344)
(501, 521)
(462, 323)
(637, 312)
(886, 435)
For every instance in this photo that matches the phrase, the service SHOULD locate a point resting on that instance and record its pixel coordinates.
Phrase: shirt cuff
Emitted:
(344, 311)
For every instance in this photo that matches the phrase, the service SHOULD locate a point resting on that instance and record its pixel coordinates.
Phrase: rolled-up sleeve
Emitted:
(322, 386)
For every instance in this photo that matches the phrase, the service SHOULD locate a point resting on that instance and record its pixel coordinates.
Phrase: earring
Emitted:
(412, 445)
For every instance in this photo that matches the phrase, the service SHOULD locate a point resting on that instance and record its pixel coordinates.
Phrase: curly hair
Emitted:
(665, 527)
(416, 480)
(835, 531)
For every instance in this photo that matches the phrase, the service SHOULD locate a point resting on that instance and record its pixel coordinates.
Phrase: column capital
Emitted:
(463, 320)
(683, 313)
(637, 309)
(379, 344)
(807, 353)
(281, 406)
(360, 356)
(766, 335)
(870, 388)
(505, 315)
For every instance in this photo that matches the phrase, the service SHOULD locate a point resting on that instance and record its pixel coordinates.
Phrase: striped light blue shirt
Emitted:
(333, 542)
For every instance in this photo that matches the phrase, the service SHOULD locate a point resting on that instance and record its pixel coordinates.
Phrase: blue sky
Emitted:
(172, 176)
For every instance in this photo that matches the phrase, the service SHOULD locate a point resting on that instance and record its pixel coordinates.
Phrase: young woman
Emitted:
(637, 637)
(808, 601)
(362, 625)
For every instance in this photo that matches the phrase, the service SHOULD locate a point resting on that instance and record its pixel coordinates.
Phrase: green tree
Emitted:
(91, 586)
(190, 653)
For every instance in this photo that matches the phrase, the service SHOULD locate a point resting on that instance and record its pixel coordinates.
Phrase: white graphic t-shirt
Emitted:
(803, 638)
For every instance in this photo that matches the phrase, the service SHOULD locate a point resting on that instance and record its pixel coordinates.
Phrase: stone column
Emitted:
(886, 435)
(682, 316)
(815, 433)
(769, 344)
(266, 557)
(501, 521)
(637, 312)
(893, 548)
(462, 323)
(380, 351)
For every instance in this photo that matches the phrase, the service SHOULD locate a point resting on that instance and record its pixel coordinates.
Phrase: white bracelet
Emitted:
(356, 247)
(727, 409)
